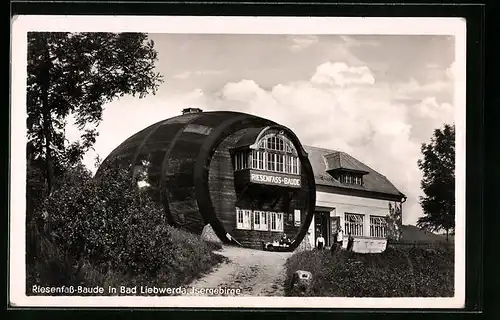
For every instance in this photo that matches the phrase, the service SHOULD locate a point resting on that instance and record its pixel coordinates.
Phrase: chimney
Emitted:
(191, 110)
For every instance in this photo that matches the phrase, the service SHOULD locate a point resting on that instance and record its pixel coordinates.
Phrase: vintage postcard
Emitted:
(255, 162)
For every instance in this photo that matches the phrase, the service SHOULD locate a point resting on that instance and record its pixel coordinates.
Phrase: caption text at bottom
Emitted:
(135, 290)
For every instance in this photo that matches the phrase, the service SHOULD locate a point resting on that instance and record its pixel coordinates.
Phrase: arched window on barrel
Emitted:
(274, 153)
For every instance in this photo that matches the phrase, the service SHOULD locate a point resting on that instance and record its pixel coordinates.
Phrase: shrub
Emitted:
(107, 231)
(393, 273)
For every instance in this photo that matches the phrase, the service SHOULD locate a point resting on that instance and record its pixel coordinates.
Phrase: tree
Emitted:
(96, 219)
(106, 229)
(438, 182)
(394, 221)
(77, 74)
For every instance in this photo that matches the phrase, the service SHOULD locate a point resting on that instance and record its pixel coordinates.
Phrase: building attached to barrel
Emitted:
(354, 196)
(246, 177)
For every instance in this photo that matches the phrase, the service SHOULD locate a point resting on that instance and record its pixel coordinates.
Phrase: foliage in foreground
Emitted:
(73, 75)
(105, 232)
(412, 272)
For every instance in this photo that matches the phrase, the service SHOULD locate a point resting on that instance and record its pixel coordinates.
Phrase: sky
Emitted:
(376, 97)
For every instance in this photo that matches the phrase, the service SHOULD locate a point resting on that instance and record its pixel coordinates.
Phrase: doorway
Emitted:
(334, 225)
(322, 226)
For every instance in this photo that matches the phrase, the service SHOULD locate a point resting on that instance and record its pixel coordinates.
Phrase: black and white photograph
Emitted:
(237, 162)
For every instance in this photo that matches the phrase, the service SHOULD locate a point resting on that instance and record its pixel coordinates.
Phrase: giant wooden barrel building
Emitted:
(249, 178)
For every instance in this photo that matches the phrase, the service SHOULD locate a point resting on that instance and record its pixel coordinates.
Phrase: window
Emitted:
(354, 224)
(245, 159)
(264, 160)
(258, 160)
(237, 165)
(358, 180)
(271, 143)
(295, 165)
(275, 162)
(263, 221)
(239, 218)
(276, 221)
(277, 143)
(280, 162)
(263, 144)
(288, 164)
(378, 227)
(256, 218)
(296, 218)
(271, 162)
(351, 179)
(260, 220)
(276, 154)
(243, 219)
(241, 160)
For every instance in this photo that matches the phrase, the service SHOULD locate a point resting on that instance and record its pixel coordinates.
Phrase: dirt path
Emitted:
(255, 272)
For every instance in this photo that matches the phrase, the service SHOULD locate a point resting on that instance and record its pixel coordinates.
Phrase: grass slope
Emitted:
(414, 272)
(190, 258)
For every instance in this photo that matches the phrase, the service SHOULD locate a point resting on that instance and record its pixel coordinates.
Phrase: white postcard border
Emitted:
(214, 25)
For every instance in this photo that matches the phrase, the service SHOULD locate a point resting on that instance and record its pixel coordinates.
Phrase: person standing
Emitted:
(340, 237)
(320, 242)
(333, 248)
(350, 242)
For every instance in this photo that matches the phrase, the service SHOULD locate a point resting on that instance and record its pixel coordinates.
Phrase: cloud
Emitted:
(429, 114)
(352, 42)
(413, 89)
(182, 75)
(244, 90)
(339, 74)
(300, 42)
(451, 71)
(197, 73)
(429, 108)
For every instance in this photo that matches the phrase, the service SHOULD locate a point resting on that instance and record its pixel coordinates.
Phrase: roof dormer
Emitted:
(341, 168)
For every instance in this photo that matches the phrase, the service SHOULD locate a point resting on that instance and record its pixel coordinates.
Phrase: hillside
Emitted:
(415, 234)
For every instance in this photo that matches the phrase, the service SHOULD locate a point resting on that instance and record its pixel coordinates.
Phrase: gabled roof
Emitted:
(323, 160)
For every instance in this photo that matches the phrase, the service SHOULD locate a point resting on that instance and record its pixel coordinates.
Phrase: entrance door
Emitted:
(322, 221)
(335, 224)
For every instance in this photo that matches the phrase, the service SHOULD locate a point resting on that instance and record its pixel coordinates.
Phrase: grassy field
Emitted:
(397, 272)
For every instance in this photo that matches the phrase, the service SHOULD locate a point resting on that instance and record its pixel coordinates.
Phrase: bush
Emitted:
(434, 270)
(106, 232)
(393, 273)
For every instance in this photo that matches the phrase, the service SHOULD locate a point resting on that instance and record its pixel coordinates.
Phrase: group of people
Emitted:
(285, 241)
(338, 239)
